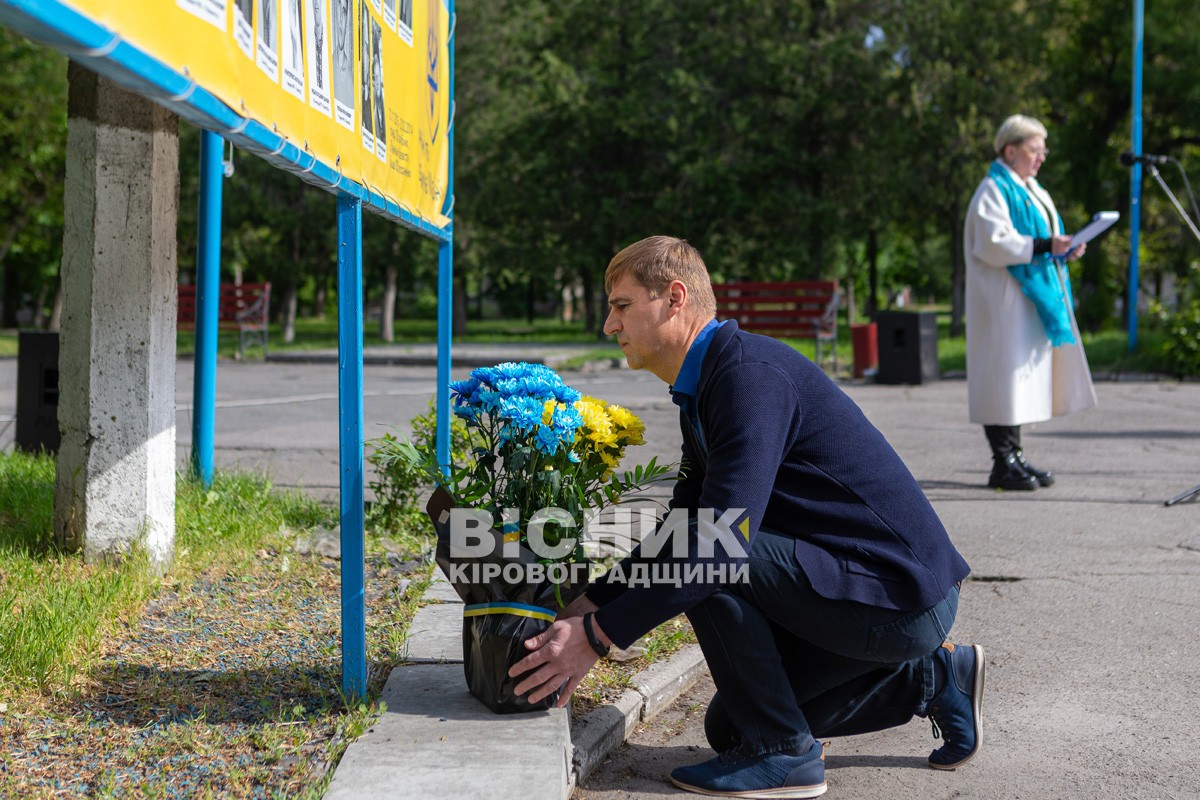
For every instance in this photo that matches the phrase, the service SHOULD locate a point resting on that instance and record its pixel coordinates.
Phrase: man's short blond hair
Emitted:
(656, 261)
(1015, 130)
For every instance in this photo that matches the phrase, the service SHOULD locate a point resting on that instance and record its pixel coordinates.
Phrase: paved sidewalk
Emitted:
(435, 740)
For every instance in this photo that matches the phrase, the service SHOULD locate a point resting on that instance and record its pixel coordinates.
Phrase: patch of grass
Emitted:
(600, 354)
(1107, 351)
(56, 612)
(26, 502)
(603, 683)
(239, 514)
(221, 679)
(609, 677)
(54, 609)
(667, 638)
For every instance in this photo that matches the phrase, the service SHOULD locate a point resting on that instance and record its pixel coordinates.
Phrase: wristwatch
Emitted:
(593, 639)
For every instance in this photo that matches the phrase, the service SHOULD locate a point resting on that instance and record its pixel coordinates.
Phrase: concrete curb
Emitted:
(436, 740)
(606, 727)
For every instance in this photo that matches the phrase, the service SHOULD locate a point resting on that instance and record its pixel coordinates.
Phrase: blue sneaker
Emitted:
(957, 710)
(774, 775)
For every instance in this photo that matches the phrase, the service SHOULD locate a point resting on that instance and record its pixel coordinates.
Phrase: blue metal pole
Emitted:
(448, 202)
(208, 301)
(445, 329)
(350, 434)
(1135, 176)
(446, 275)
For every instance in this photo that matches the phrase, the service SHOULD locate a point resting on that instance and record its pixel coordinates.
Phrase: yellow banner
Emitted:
(361, 84)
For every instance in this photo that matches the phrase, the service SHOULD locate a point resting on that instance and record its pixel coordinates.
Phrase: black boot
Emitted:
(1043, 478)
(1008, 474)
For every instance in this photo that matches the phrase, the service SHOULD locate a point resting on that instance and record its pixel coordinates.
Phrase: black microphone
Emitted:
(1128, 159)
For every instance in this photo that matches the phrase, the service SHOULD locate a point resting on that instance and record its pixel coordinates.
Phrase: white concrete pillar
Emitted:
(116, 465)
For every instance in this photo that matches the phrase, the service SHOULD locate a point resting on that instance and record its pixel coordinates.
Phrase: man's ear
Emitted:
(677, 294)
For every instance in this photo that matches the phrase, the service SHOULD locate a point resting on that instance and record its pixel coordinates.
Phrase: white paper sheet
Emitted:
(1099, 224)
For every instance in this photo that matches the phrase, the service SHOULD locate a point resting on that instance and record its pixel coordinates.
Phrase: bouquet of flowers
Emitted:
(510, 521)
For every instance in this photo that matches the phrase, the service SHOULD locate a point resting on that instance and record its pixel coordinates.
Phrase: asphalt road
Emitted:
(1085, 595)
(282, 419)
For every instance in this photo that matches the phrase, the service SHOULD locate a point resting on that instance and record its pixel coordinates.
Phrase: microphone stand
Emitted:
(1171, 195)
(1154, 174)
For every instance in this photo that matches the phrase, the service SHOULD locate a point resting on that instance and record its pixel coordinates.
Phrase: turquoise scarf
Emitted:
(1039, 278)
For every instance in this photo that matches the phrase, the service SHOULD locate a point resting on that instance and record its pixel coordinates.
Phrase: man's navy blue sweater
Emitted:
(782, 441)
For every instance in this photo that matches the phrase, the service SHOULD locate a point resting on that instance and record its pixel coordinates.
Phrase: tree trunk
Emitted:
(291, 299)
(56, 314)
(958, 282)
(601, 306)
(872, 273)
(849, 297)
(39, 308)
(320, 296)
(10, 295)
(589, 301)
(530, 298)
(387, 315)
(816, 232)
(9, 299)
(569, 303)
(460, 306)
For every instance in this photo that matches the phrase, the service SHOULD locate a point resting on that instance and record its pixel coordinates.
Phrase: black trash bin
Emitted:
(907, 347)
(37, 391)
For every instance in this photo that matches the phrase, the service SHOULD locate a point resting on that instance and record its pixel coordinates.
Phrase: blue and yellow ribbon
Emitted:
(516, 609)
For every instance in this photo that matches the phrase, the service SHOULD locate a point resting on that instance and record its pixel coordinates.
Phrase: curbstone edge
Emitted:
(606, 727)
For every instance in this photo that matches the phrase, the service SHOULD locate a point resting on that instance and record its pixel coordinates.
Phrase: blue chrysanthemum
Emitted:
(469, 413)
(525, 413)
(489, 400)
(464, 390)
(565, 422)
(546, 440)
(484, 375)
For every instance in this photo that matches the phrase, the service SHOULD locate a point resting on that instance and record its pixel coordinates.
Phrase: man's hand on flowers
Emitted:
(561, 655)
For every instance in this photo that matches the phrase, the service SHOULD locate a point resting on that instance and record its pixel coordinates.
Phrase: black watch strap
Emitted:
(592, 638)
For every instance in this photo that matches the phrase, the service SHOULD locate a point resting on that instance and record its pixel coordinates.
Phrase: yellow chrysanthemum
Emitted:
(610, 458)
(630, 429)
(632, 438)
(548, 411)
(592, 411)
(602, 438)
(632, 435)
(623, 417)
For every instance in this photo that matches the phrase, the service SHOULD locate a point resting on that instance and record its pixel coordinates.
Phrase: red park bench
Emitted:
(243, 307)
(796, 309)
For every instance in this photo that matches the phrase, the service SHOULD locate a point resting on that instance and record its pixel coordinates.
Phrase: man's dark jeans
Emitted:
(790, 665)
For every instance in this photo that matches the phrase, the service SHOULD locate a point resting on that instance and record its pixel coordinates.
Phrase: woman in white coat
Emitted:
(1025, 359)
